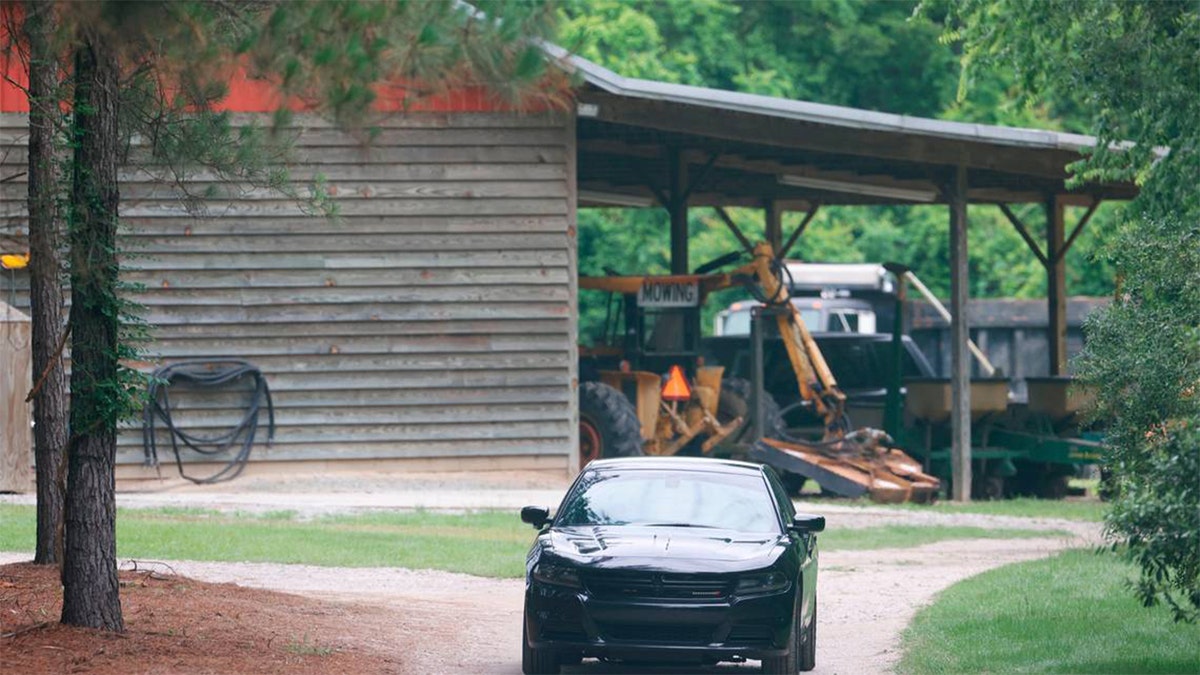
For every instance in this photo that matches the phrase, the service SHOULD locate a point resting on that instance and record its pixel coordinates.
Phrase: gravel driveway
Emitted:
(452, 623)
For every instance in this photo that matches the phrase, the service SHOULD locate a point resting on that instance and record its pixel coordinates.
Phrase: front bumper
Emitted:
(571, 620)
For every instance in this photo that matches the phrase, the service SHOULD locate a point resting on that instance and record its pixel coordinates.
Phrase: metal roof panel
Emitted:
(816, 113)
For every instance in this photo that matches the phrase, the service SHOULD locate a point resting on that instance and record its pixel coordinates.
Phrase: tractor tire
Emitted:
(734, 402)
(608, 424)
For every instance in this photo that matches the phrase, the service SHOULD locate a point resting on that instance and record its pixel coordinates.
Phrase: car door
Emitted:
(805, 544)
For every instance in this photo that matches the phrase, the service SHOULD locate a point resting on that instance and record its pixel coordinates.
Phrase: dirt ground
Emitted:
(295, 618)
(179, 625)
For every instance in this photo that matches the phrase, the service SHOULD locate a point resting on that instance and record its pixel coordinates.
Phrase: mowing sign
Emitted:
(667, 293)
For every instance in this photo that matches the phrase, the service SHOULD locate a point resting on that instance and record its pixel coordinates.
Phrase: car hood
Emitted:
(676, 548)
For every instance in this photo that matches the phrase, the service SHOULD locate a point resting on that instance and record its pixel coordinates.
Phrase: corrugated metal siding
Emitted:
(434, 319)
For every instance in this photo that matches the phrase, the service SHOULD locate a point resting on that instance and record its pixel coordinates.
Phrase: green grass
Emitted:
(490, 544)
(485, 543)
(1069, 614)
(1090, 510)
(909, 536)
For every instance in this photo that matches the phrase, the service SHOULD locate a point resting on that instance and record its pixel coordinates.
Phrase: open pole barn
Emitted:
(434, 326)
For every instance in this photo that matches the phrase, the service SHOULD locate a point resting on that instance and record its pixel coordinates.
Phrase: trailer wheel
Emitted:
(1054, 486)
(988, 488)
(608, 424)
(734, 402)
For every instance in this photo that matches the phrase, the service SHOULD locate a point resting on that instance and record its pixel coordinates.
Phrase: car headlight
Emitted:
(556, 575)
(764, 582)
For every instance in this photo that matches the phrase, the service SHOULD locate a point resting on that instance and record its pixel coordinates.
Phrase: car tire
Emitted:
(808, 653)
(789, 662)
(608, 424)
(734, 402)
(536, 661)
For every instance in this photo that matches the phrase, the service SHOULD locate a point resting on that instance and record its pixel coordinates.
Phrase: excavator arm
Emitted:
(853, 463)
(817, 383)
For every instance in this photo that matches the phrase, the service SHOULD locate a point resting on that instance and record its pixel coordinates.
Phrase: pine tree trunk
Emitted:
(45, 281)
(90, 589)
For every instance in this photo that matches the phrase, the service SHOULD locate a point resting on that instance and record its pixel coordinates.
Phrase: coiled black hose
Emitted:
(783, 277)
(207, 375)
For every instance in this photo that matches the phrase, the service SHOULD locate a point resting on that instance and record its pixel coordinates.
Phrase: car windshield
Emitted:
(677, 498)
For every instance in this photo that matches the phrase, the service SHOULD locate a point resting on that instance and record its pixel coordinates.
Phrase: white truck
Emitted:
(822, 292)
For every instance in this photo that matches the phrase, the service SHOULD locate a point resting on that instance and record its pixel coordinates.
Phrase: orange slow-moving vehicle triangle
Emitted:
(676, 388)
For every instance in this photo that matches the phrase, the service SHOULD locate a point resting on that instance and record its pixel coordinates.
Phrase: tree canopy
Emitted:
(878, 55)
(1137, 66)
(120, 82)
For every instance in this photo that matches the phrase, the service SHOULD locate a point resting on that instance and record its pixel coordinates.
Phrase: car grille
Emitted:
(651, 586)
(657, 632)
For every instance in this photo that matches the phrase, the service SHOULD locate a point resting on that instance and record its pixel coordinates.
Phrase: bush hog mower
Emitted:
(645, 388)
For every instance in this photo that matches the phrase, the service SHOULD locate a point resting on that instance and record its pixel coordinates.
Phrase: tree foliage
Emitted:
(143, 86)
(1137, 65)
(878, 55)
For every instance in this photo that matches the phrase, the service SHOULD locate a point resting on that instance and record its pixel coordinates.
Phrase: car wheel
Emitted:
(789, 662)
(808, 654)
(536, 661)
(608, 424)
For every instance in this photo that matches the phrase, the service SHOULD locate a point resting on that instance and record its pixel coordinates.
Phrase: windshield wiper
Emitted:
(707, 527)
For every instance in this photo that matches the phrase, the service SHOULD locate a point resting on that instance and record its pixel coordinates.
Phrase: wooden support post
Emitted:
(773, 225)
(960, 363)
(1056, 286)
(677, 191)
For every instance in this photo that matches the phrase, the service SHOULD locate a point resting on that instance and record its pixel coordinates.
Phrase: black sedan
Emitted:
(672, 560)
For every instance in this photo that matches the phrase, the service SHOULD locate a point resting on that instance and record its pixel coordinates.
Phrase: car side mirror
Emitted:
(536, 516)
(806, 523)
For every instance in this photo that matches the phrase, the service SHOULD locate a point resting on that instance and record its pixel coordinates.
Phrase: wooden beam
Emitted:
(677, 192)
(614, 147)
(960, 356)
(773, 224)
(664, 199)
(1056, 287)
(1075, 232)
(728, 201)
(746, 243)
(700, 175)
(997, 195)
(1012, 190)
(800, 168)
(1024, 232)
(787, 247)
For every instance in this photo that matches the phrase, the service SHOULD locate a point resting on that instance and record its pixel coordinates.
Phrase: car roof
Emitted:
(676, 464)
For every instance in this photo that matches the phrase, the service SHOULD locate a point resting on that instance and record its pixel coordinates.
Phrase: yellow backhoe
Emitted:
(647, 390)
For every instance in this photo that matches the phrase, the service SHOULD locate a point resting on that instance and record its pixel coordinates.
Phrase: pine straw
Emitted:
(174, 624)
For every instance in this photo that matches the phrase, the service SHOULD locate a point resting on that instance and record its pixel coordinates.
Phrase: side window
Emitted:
(843, 322)
(781, 495)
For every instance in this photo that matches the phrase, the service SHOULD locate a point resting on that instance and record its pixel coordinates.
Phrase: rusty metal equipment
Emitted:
(851, 462)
